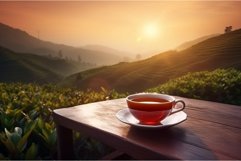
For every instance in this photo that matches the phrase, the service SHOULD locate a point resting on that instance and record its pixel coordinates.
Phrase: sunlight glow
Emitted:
(134, 26)
(150, 30)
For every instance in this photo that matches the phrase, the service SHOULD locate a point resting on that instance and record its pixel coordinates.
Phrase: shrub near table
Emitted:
(220, 85)
(27, 130)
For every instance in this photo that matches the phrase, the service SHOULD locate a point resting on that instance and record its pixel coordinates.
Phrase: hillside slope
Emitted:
(20, 67)
(20, 41)
(189, 44)
(223, 51)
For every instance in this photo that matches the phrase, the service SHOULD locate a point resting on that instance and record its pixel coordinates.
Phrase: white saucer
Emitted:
(125, 116)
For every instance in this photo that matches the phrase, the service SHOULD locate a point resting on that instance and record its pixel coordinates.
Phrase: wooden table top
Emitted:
(212, 130)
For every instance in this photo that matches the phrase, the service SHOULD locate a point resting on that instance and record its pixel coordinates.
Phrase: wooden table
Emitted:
(212, 131)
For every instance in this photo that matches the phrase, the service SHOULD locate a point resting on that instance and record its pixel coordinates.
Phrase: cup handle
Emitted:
(175, 110)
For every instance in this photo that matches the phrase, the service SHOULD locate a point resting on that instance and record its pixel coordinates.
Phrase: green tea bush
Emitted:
(220, 85)
(27, 130)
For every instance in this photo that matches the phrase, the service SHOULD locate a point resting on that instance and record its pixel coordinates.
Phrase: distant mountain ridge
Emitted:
(106, 49)
(189, 44)
(222, 51)
(20, 41)
(20, 67)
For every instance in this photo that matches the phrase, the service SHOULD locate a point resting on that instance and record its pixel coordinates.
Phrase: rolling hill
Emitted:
(19, 67)
(223, 51)
(189, 44)
(20, 41)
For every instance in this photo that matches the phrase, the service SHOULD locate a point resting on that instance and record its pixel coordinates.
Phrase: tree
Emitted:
(228, 29)
(79, 58)
(138, 56)
(60, 54)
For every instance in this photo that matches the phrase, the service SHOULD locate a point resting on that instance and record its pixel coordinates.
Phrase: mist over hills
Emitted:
(222, 51)
(189, 44)
(124, 54)
(20, 41)
(52, 62)
(22, 67)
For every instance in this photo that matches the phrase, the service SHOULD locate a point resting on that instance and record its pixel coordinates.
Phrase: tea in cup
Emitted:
(151, 108)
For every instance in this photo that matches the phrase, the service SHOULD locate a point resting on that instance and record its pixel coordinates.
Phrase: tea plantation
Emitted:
(27, 130)
(220, 85)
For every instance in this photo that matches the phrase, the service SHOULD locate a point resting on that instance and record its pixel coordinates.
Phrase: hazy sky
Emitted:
(132, 26)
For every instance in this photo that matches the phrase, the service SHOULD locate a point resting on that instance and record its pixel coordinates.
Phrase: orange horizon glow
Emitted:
(137, 27)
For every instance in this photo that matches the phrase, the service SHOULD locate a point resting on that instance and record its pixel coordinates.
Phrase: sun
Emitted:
(150, 30)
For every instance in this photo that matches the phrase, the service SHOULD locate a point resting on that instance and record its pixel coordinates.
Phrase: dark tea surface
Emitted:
(149, 104)
(150, 100)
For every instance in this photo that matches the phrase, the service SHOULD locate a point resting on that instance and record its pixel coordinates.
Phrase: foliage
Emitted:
(27, 130)
(221, 85)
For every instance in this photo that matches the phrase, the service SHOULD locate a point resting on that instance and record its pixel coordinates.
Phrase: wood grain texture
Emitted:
(229, 115)
(212, 131)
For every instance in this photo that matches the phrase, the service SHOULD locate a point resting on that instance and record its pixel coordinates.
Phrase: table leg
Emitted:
(65, 143)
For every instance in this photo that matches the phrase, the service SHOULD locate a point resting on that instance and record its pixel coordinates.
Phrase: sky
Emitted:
(133, 26)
